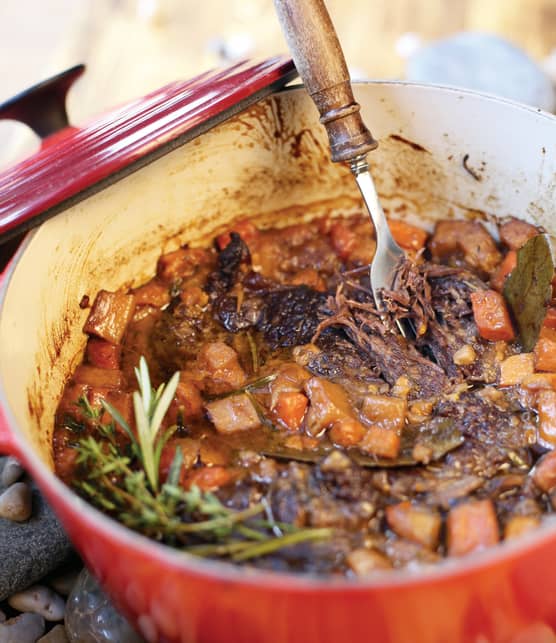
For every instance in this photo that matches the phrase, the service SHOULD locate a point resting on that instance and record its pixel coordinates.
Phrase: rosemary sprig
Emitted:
(123, 481)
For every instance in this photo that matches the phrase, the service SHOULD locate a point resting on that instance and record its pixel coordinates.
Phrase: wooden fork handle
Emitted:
(320, 62)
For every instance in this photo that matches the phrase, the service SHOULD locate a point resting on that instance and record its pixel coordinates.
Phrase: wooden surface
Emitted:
(133, 46)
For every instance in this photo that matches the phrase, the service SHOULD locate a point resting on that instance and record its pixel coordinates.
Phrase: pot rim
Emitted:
(216, 570)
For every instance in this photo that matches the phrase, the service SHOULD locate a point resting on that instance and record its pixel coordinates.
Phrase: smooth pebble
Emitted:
(25, 628)
(56, 635)
(11, 472)
(40, 600)
(15, 502)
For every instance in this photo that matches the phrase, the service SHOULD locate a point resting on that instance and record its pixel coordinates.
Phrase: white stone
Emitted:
(25, 628)
(40, 600)
(16, 502)
(11, 472)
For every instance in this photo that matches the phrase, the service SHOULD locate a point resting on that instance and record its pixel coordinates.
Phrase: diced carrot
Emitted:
(180, 263)
(385, 411)
(329, 403)
(470, 526)
(213, 452)
(343, 239)
(538, 381)
(515, 368)
(246, 230)
(153, 293)
(366, 561)
(544, 473)
(546, 408)
(309, 277)
(515, 233)
(290, 378)
(381, 441)
(471, 239)
(309, 442)
(347, 432)
(187, 403)
(550, 319)
(190, 453)
(491, 316)
(290, 408)
(498, 277)
(211, 478)
(103, 354)
(545, 350)
(232, 414)
(294, 442)
(417, 523)
(219, 362)
(408, 236)
(98, 377)
(110, 315)
(518, 525)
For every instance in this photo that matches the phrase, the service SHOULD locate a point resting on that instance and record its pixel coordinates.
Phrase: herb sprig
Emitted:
(123, 481)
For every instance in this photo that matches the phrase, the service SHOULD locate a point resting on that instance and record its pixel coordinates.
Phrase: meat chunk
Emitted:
(103, 354)
(220, 365)
(329, 403)
(232, 414)
(110, 315)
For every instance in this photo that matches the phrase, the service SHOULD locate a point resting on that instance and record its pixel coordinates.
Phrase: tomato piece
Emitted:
(492, 316)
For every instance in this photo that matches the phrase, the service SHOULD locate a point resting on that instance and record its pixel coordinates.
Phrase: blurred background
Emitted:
(133, 46)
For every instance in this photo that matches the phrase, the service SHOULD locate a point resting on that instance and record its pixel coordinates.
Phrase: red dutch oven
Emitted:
(177, 166)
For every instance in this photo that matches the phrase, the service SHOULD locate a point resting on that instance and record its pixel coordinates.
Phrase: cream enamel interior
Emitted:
(270, 162)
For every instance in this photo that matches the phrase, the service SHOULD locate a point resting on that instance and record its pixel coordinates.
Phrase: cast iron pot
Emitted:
(443, 153)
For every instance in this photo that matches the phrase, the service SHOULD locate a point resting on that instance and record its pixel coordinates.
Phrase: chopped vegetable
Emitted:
(470, 526)
(545, 351)
(505, 268)
(546, 407)
(515, 233)
(491, 316)
(290, 408)
(518, 525)
(98, 377)
(220, 364)
(381, 441)
(407, 236)
(347, 432)
(103, 354)
(514, 369)
(110, 315)
(329, 403)
(418, 523)
(233, 413)
(388, 412)
(343, 239)
(544, 473)
(363, 562)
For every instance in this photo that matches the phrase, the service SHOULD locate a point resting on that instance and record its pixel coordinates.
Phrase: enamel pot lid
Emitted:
(74, 162)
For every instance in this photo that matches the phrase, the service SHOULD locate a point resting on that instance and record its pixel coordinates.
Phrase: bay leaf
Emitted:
(528, 289)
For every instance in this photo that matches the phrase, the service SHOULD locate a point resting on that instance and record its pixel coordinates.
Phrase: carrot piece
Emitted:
(544, 473)
(190, 453)
(550, 319)
(381, 441)
(518, 525)
(98, 377)
(329, 403)
(470, 526)
(545, 350)
(343, 239)
(546, 408)
(153, 293)
(366, 561)
(515, 233)
(103, 354)
(213, 453)
(385, 411)
(408, 236)
(211, 478)
(110, 315)
(417, 523)
(121, 401)
(290, 408)
(538, 381)
(514, 369)
(491, 316)
(246, 230)
(187, 403)
(347, 432)
(498, 277)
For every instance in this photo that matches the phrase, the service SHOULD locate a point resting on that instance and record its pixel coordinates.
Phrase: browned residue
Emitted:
(412, 144)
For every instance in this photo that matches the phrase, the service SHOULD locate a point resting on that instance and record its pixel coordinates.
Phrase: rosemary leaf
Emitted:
(272, 545)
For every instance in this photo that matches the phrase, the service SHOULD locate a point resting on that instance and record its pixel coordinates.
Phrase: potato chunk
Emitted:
(233, 414)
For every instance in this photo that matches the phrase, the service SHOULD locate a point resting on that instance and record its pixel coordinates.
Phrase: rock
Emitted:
(63, 582)
(15, 502)
(11, 472)
(56, 635)
(39, 599)
(25, 628)
(32, 549)
(91, 618)
(486, 63)
(2, 616)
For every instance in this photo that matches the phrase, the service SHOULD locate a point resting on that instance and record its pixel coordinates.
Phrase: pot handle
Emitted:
(42, 107)
(320, 62)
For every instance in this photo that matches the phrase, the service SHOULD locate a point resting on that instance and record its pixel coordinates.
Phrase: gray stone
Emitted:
(31, 549)
(25, 628)
(486, 63)
(39, 599)
(15, 502)
(56, 635)
(91, 617)
(11, 472)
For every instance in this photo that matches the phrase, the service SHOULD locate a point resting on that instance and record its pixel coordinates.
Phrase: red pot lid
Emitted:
(74, 162)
